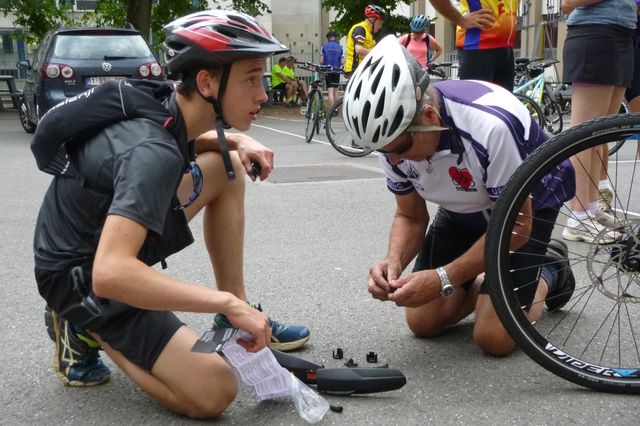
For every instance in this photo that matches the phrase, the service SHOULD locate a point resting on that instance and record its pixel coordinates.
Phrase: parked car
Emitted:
(72, 60)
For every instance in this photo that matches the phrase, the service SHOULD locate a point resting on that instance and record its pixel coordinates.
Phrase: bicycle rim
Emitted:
(339, 136)
(552, 114)
(533, 109)
(594, 340)
(313, 116)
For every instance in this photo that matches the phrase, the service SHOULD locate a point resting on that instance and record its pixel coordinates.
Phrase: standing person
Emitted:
(598, 61)
(280, 81)
(332, 55)
(484, 38)
(121, 202)
(420, 43)
(455, 144)
(360, 39)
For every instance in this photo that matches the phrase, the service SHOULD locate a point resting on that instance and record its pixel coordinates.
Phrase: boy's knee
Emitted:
(212, 404)
(422, 327)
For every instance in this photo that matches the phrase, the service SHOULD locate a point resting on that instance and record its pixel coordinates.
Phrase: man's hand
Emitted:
(252, 151)
(380, 274)
(416, 289)
(245, 317)
(482, 19)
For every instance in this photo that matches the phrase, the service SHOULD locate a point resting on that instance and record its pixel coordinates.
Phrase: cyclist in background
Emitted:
(361, 37)
(332, 55)
(455, 144)
(419, 42)
(484, 37)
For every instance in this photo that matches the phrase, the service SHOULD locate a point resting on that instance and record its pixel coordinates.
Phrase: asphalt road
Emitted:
(311, 234)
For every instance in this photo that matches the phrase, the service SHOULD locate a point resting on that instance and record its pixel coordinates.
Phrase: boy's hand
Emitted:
(252, 151)
(247, 318)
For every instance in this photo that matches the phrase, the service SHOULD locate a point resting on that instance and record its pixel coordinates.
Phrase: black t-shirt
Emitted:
(132, 169)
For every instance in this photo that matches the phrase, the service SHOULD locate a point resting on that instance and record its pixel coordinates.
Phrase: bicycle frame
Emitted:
(532, 88)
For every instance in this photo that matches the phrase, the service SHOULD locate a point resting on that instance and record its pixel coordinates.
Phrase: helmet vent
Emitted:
(395, 76)
(396, 120)
(376, 81)
(380, 106)
(356, 94)
(366, 109)
(384, 126)
(376, 135)
(356, 127)
(374, 65)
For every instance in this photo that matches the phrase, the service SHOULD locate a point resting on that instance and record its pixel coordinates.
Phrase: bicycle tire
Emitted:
(339, 136)
(624, 109)
(534, 109)
(600, 303)
(552, 114)
(313, 115)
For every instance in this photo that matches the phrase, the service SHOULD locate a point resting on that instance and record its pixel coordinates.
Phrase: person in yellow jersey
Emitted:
(360, 39)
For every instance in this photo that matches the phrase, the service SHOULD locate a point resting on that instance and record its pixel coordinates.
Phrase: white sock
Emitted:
(594, 207)
(575, 218)
(605, 184)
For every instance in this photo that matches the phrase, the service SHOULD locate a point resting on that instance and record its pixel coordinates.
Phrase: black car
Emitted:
(72, 60)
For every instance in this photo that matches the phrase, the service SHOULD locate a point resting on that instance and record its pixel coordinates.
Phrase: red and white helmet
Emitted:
(214, 38)
(374, 11)
(381, 98)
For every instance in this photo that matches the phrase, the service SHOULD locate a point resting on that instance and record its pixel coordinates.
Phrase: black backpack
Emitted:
(99, 107)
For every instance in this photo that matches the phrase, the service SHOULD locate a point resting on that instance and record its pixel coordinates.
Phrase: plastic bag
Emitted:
(310, 405)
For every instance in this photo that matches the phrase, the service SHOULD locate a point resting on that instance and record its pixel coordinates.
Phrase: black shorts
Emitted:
(140, 335)
(598, 54)
(280, 86)
(493, 65)
(446, 240)
(634, 90)
(332, 80)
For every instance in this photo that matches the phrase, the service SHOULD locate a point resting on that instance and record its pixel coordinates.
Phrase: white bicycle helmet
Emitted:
(381, 98)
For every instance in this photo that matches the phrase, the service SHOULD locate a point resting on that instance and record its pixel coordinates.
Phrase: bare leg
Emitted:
(490, 334)
(202, 387)
(223, 204)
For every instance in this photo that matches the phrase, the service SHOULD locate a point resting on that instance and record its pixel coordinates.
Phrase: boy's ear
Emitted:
(207, 83)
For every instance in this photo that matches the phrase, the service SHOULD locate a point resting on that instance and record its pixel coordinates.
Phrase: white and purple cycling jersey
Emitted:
(497, 133)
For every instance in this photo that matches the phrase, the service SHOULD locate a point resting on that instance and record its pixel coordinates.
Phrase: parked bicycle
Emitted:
(437, 69)
(530, 81)
(594, 340)
(316, 114)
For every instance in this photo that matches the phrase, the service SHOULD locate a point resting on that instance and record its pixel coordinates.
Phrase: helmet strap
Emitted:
(221, 124)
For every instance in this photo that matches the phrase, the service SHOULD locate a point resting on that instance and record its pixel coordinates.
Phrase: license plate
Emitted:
(94, 81)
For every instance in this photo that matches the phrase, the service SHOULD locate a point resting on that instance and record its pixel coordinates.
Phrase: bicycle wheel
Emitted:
(594, 340)
(552, 114)
(533, 108)
(614, 147)
(312, 125)
(339, 136)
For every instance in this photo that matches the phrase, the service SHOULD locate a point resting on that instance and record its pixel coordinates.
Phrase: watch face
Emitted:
(447, 290)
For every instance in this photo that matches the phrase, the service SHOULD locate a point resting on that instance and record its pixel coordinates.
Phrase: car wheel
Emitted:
(27, 125)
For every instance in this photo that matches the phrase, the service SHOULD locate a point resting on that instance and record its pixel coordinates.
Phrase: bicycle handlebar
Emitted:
(322, 69)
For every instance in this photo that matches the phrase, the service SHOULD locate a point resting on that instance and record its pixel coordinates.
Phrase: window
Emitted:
(86, 4)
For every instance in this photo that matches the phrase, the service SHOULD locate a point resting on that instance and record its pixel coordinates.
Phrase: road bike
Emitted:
(437, 69)
(316, 114)
(594, 339)
(530, 81)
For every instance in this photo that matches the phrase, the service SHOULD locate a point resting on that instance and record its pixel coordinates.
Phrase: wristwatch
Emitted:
(446, 288)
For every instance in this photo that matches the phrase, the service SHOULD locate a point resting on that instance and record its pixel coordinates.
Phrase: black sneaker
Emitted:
(76, 360)
(557, 253)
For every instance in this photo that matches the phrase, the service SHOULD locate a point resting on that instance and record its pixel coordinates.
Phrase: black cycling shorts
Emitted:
(280, 86)
(493, 65)
(332, 80)
(446, 240)
(140, 335)
(598, 54)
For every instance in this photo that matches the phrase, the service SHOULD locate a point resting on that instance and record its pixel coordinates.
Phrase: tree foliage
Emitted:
(39, 16)
(350, 12)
